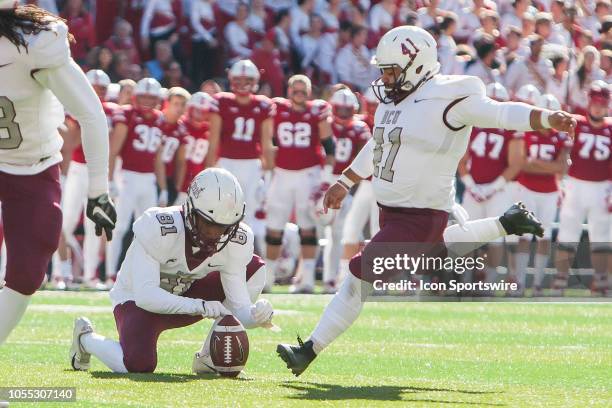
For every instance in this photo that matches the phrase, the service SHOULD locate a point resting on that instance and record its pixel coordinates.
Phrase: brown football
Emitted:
(229, 346)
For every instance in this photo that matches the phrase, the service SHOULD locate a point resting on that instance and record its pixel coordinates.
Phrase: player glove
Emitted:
(214, 309)
(262, 311)
(101, 210)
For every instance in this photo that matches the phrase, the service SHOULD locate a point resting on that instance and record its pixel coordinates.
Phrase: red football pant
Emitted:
(139, 329)
(32, 222)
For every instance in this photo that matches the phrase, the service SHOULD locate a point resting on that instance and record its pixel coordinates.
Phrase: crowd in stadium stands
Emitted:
(519, 48)
(558, 46)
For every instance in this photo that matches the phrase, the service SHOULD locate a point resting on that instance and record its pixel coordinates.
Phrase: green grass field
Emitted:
(397, 354)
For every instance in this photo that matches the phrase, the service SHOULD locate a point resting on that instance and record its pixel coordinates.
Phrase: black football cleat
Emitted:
(298, 358)
(518, 220)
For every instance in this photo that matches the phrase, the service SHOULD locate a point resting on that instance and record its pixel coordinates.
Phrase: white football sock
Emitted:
(341, 312)
(332, 253)
(308, 273)
(12, 307)
(66, 269)
(270, 273)
(491, 272)
(540, 263)
(107, 351)
(522, 261)
(479, 232)
(343, 272)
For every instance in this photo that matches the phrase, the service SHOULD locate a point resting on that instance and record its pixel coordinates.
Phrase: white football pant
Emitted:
(248, 173)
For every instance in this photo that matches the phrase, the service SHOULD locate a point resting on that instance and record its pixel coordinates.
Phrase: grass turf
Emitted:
(415, 354)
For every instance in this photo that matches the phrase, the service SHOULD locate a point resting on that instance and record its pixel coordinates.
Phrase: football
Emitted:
(229, 346)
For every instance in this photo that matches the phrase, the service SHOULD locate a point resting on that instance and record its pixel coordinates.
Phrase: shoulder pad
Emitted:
(241, 246)
(280, 101)
(451, 87)
(263, 101)
(49, 48)
(159, 231)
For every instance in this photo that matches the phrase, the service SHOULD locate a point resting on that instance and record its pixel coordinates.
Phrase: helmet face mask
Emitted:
(146, 102)
(243, 85)
(599, 101)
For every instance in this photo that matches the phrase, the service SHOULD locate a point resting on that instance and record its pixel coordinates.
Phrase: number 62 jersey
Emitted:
(161, 256)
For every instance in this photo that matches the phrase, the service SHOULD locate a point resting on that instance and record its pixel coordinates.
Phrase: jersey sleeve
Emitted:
(268, 108)
(49, 48)
(233, 277)
(156, 231)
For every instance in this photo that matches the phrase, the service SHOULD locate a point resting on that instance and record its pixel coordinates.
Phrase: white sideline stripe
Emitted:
(109, 309)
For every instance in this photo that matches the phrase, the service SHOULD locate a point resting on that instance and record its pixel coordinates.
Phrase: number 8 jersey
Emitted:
(241, 125)
(29, 113)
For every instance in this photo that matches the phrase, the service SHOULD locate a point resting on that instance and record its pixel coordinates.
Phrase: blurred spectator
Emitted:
(267, 58)
(484, 66)
(81, 25)
(353, 61)
(381, 17)
(447, 48)
(126, 91)
(556, 85)
(100, 58)
(259, 20)
(329, 45)
(210, 87)
(120, 68)
(515, 47)
(528, 24)
(205, 43)
(300, 22)
(489, 21)
(605, 39)
(606, 65)
(122, 41)
(556, 10)
(160, 20)
(594, 20)
(580, 82)
(533, 70)
(544, 28)
(163, 57)
(428, 15)
(279, 35)
(470, 19)
(279, 5)
(49, 5)
(331, 15)
(135, 72)
(174, 77)
(515, 16)
(237, 35)
(311, 41)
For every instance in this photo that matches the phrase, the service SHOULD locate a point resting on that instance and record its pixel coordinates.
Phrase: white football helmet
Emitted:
(548, 101)
(344, 98)
(414, 51)
(97, 77)
(203, 101)
(528, 94)
(112, 93)
(497, 91)
(214, 198)
(148, 86)
(244, 70)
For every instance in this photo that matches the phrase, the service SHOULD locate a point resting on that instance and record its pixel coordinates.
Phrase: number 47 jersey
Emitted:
(488, 151)
(29, 113)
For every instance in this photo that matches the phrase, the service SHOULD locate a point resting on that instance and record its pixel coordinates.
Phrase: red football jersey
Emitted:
(296, 134)
(590, 154)
(349, 140)
(196, 147)
(143, 140)
(543, 147)
(241, 125)
(109, 109)
(488, 150)
(172, 136)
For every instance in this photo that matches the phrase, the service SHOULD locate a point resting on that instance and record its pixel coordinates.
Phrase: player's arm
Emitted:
(70, 132)
(69, 84)
(516, 159)
(160, 175)
(148, 295)
(329, 146)
(180, 166)
(267, 146)
(117, 139)
(481, 111)
(214, 137)
(557, 166)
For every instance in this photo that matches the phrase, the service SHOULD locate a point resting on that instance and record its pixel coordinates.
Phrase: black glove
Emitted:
(101, 210)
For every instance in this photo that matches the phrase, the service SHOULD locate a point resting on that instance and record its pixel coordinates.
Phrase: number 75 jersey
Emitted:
(591, 152)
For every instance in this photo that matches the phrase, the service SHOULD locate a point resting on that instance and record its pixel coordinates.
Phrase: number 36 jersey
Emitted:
(161, 232)
(29, 113)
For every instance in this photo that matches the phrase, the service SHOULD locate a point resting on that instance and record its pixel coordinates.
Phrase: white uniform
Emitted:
(414, 153)
(363, 208)
(155, 274)
(32, 82)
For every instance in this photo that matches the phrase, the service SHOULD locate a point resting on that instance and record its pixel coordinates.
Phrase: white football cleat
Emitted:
(79, 358)
(202, 364)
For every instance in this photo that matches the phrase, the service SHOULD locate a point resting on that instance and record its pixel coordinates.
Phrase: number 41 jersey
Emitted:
(29, 113)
